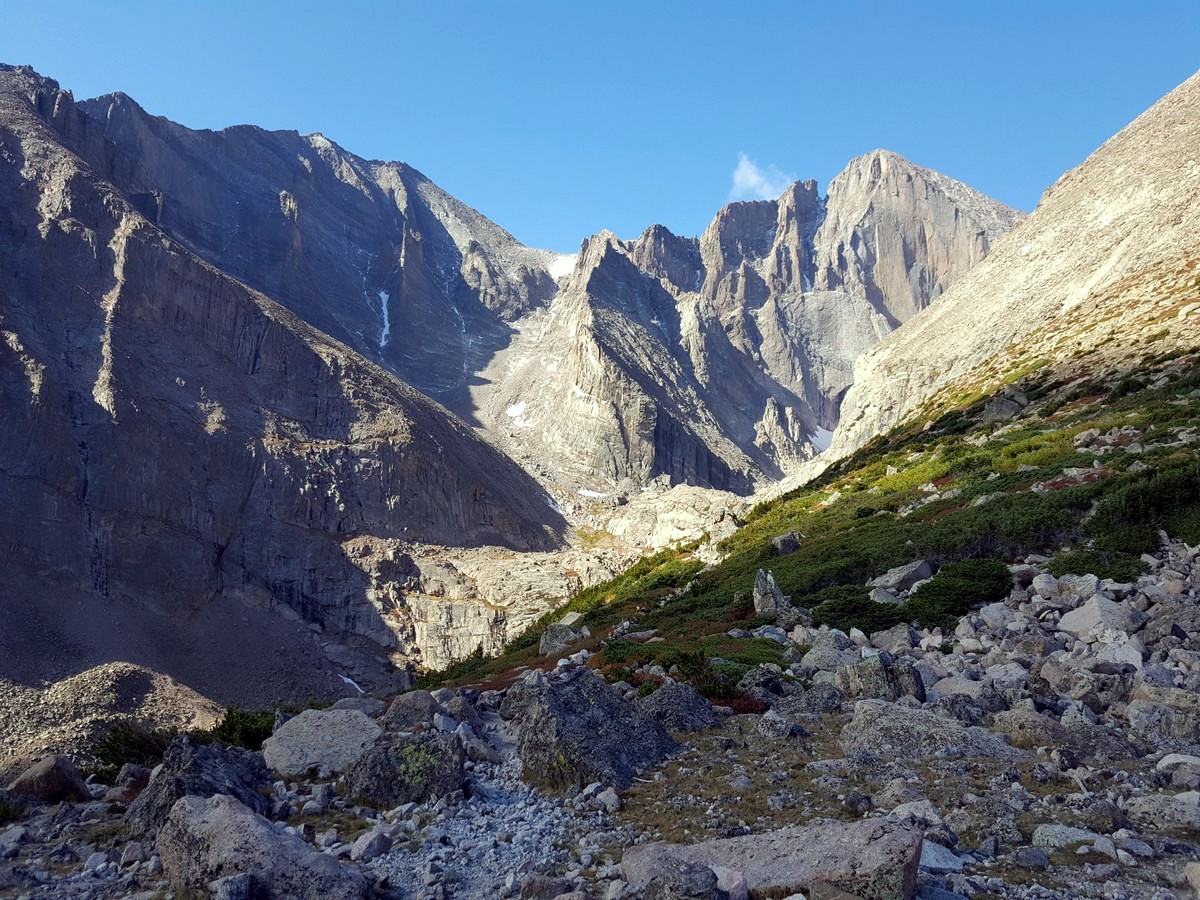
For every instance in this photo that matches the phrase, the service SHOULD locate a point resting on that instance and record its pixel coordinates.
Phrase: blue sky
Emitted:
(558, 119)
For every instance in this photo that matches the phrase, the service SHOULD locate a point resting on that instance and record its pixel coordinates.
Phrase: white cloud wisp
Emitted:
(754, 182)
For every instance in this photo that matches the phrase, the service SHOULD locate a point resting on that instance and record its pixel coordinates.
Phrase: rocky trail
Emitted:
(1048, 746)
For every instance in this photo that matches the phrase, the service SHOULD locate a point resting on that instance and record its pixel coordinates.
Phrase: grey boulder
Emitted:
(873, 859)
(200, 771)
(324, 740)
(207, 839)
(893, 731)
(679, 707)
(573, 728)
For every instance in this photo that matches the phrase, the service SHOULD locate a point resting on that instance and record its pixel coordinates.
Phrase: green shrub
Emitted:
(850, 606)
(956, 588)
(243, 728)
(646, 688)
(464, 668)
(619, 651)
(10, 810)
(129, 742)
(1121, 567)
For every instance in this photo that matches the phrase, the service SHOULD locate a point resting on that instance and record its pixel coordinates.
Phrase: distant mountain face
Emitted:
(716, 361)
(373, 254)
(225, 355)
(1100, 273)
(723, 360)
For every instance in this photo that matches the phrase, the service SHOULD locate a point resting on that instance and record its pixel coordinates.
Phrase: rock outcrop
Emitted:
(1106, 260)
(722, 360)
(175, 439)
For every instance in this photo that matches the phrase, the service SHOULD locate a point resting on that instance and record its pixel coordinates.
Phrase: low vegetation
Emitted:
(968, 495)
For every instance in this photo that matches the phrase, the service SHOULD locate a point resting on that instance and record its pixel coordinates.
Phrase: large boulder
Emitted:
(51, 780)
(558, 638)
(206, 839)
(408, 769)
(902, 578)
(880, 678)
(680, 707)
(897, 732)
(873, 859)
(324, 740)
(1161, 711)
(202, 771)
(573, 728)
(411, 710)
(1099, 614)
(768, 598)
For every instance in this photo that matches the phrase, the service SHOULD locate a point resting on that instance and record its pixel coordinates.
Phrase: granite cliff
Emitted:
(722, 360)
(1105, 263)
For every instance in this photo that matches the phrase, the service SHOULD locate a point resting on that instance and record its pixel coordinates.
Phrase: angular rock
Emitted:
(768, 598)
(899, 732)
(407, 769)
(679, 707)
(321, 740)
(1178, 810)
(873, 859)
(1055, 837)
(902, 578)
(785, 544)
(1164, 712)
(1100, 613)
(368, 706)
(880, 678)
(51, 780)
(1182, 769)
(558, 638)
(370, 845)
(409, 710)
(198, 770)
(573, 728)
(206, 839)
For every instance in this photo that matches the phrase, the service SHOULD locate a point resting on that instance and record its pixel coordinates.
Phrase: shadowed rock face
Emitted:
(373, 254)
(172, 435)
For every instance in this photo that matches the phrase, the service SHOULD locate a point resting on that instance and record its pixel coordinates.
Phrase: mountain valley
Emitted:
(846, 550)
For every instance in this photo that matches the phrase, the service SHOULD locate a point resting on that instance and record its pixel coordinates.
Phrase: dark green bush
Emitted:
(129, 742)
(10, 810)
(956, 588)
(1103, 564)
(242, 728)
(646, 688)
(619, 650)
(464, 668)
(850, 606)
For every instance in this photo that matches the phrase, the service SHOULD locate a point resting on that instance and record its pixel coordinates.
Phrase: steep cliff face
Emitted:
(1127, 218)
(371, 253)
(172, 436)
(722, 361)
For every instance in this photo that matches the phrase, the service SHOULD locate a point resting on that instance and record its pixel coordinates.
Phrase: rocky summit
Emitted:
(352, 549)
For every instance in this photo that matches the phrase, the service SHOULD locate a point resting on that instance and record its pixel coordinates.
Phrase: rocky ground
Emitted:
(1047, 747)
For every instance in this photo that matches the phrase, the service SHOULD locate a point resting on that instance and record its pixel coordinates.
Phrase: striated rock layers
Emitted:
(722, 361)
(717, 361)
(173, 437)
(1105, 267)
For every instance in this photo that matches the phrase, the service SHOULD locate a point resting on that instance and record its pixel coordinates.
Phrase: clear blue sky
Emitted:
(558, 119)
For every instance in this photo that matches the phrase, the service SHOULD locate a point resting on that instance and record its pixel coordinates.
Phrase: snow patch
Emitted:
(593, 494)
(821, 439)
(352, 683)
(562, 264)
(387, 323)
(517, 409)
